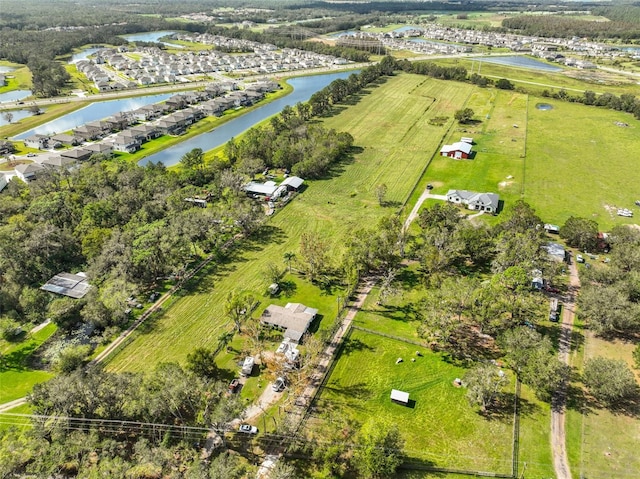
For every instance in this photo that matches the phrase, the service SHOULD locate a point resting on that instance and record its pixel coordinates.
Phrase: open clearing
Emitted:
(391, 126)
(499, 146)
(17, 378)
(583, 170)
(438, 426)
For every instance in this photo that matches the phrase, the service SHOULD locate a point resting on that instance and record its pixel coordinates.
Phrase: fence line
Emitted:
(390, 336)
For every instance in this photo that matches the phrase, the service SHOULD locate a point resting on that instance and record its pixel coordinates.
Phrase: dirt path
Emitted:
(327, 356)
(423, 197)
(558, 436)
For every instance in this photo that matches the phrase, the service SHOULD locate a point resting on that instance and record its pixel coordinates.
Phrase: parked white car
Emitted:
(248, 429)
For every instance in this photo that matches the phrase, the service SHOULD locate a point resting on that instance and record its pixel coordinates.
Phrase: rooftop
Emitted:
(67, 284)
(294, 318)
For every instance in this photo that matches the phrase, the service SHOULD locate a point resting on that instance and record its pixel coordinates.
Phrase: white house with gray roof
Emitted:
(487, 202)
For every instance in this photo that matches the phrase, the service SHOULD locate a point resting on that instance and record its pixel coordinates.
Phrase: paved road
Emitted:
(558, 435)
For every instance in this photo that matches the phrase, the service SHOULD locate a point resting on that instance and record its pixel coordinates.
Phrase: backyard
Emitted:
(438, 425)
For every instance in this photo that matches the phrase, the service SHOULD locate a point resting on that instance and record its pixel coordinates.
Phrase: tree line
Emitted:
(559, 26)
(625, 102)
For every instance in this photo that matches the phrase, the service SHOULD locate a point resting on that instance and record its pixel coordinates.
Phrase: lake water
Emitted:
(346, 32)
(14, 95)
(303, 88)
(522, 62)
(95, 111)
(406, 27)
(17, 116)
(4, 69)
(84, 54)
(151, 37)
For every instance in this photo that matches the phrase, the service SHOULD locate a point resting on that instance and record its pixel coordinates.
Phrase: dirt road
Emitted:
(558, 436)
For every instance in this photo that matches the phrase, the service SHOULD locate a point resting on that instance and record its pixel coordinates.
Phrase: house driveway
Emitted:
(414, 212)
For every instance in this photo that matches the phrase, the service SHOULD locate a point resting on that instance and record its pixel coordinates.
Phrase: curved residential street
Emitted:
(558, 436)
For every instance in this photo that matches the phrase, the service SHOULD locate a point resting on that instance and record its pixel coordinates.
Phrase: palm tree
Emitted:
(288, 257)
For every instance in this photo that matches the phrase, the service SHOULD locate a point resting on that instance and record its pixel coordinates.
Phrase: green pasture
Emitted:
(7, 421)
(17, 378)
(397, 109)
(499, 136)
(579, 163)
(473, 20)
(438, 426)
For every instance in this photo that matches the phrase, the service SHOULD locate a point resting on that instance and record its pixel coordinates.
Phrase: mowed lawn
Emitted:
(604, 444)
(580, 163)
(390, 125)
(499, 146)
(16, 377)
(439, 426)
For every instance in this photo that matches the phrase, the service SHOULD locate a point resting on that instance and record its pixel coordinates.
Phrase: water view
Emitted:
(17, 116)
(4, 69)
(83, 55)
(406, 28)
(151, 37)
(14, 95)
(522, 62)
(96, 111)
(303, 88)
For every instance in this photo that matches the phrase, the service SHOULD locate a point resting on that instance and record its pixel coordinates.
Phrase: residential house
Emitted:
(64, 139)
(40, 142)
(294, 319)
(146, 132)
(267, 189)
(126, 141)
(77, 154)
(57, 161)
(87, 132)
(28, 171)
(105, 149)
(488, 202)
(169, 126)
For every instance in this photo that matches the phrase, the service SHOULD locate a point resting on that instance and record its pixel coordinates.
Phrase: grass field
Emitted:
(585, 171)
(439, 426)
(499, 147)
(398, 319)
(603, 444)
(16, 377)
(398, 109)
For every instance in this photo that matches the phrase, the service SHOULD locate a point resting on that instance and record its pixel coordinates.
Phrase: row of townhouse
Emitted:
(150, 65)
(538, 46)
(171, 117)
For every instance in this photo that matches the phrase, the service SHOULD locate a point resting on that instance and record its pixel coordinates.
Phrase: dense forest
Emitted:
(561, 27)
